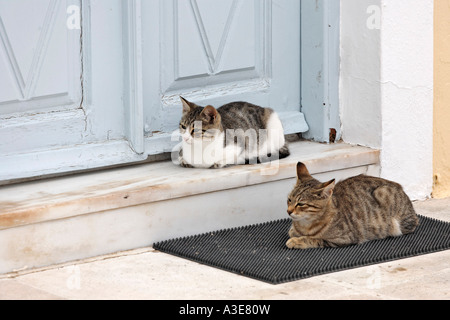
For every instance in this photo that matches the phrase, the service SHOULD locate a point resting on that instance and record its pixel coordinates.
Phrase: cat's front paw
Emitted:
(184, 164)
(217, 166)
(298, 243)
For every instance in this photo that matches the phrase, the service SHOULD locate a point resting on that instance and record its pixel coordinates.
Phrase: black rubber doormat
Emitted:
(259, 251)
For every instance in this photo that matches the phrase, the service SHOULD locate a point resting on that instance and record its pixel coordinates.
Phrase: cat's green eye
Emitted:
(183, 126)
(301, 205)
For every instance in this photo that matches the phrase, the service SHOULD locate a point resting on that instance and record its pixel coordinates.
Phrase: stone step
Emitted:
(85, 215)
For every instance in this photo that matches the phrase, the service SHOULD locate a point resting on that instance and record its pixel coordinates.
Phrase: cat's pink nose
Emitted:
(289, 211)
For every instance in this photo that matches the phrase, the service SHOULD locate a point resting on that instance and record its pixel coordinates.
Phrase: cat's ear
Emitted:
(302, 172)
(210, 114)
(187, 106)
(326, 189)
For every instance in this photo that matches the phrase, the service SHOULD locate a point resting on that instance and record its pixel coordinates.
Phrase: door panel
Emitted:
(213, 43)
(214, 52)
(37, 59)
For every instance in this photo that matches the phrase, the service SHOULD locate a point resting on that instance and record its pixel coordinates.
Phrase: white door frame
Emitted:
(320, 69)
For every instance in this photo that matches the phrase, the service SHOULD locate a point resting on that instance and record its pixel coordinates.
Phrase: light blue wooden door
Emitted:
(86, 84)
(215, 52)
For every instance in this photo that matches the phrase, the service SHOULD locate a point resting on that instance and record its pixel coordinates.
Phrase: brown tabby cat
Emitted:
(353, 211)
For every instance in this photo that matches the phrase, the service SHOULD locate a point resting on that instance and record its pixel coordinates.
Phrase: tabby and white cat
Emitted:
(352, 211)
(236, 133)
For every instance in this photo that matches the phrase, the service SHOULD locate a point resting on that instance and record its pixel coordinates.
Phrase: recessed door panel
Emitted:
(216, 52)
(40, 61)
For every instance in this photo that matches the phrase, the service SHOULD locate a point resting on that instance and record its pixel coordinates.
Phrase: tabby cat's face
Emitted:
(305, 201)
(310, 197)
(198, 123)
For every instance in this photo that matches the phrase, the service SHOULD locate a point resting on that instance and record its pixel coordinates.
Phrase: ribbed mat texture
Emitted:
(259, 251)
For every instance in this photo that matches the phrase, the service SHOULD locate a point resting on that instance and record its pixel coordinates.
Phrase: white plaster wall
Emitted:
(387, 87)
(407, 94)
